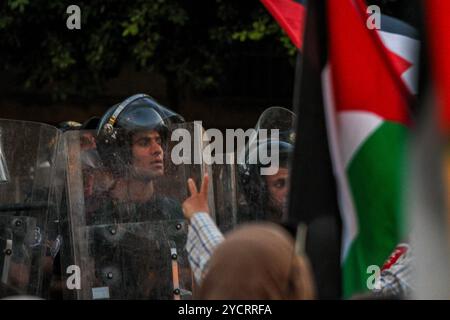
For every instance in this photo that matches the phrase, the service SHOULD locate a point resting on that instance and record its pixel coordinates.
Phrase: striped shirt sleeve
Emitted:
(203, 238)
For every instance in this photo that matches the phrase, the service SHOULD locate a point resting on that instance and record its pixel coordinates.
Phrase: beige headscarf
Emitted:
(257, 261)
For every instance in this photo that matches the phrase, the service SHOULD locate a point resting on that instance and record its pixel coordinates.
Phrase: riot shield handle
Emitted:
(175, 277)
(7, 262)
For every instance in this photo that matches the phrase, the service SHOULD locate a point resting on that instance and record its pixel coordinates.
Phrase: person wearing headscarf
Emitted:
(257, 262)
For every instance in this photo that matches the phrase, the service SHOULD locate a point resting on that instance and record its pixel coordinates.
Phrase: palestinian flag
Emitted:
(290, 15)
(369, 85)
(357, 86)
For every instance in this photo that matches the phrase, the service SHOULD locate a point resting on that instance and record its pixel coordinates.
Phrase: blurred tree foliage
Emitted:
(190, 42)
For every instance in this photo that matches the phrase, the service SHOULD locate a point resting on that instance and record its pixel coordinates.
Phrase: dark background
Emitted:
(222, 62)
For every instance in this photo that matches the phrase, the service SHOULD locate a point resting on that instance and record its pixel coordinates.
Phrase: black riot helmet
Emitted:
(136, 113)
(251, 181)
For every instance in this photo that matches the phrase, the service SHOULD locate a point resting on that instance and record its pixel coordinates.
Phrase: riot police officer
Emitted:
(266, 195)
(132, 139)
(128, 234)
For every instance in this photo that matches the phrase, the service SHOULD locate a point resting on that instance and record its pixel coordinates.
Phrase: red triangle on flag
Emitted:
(364, 74)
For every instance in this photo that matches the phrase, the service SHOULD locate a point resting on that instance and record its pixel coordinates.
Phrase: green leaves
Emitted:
(190, 43)
(62, 60)
(131, 29)
(18, 5)
(5, 21)
(257, 31)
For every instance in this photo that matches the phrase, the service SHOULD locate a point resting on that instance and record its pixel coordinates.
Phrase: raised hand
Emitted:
(198, 201)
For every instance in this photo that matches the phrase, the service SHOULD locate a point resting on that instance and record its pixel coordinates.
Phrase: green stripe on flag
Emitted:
(375, 176)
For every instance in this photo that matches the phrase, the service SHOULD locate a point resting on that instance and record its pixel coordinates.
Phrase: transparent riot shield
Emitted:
(224, 182)
(278, 118)
(27, 223)
(16, 239)
(123, 225)
(242, 192)
(135, 261)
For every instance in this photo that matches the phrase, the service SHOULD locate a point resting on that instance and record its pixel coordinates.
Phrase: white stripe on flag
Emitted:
(347, 208)
(354, 129)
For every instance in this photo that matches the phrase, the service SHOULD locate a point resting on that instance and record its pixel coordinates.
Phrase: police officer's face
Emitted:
(147, 154)
(277, 186)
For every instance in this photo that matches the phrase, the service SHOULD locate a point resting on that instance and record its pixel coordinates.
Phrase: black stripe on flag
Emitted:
(313, 197)
(393, 25)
